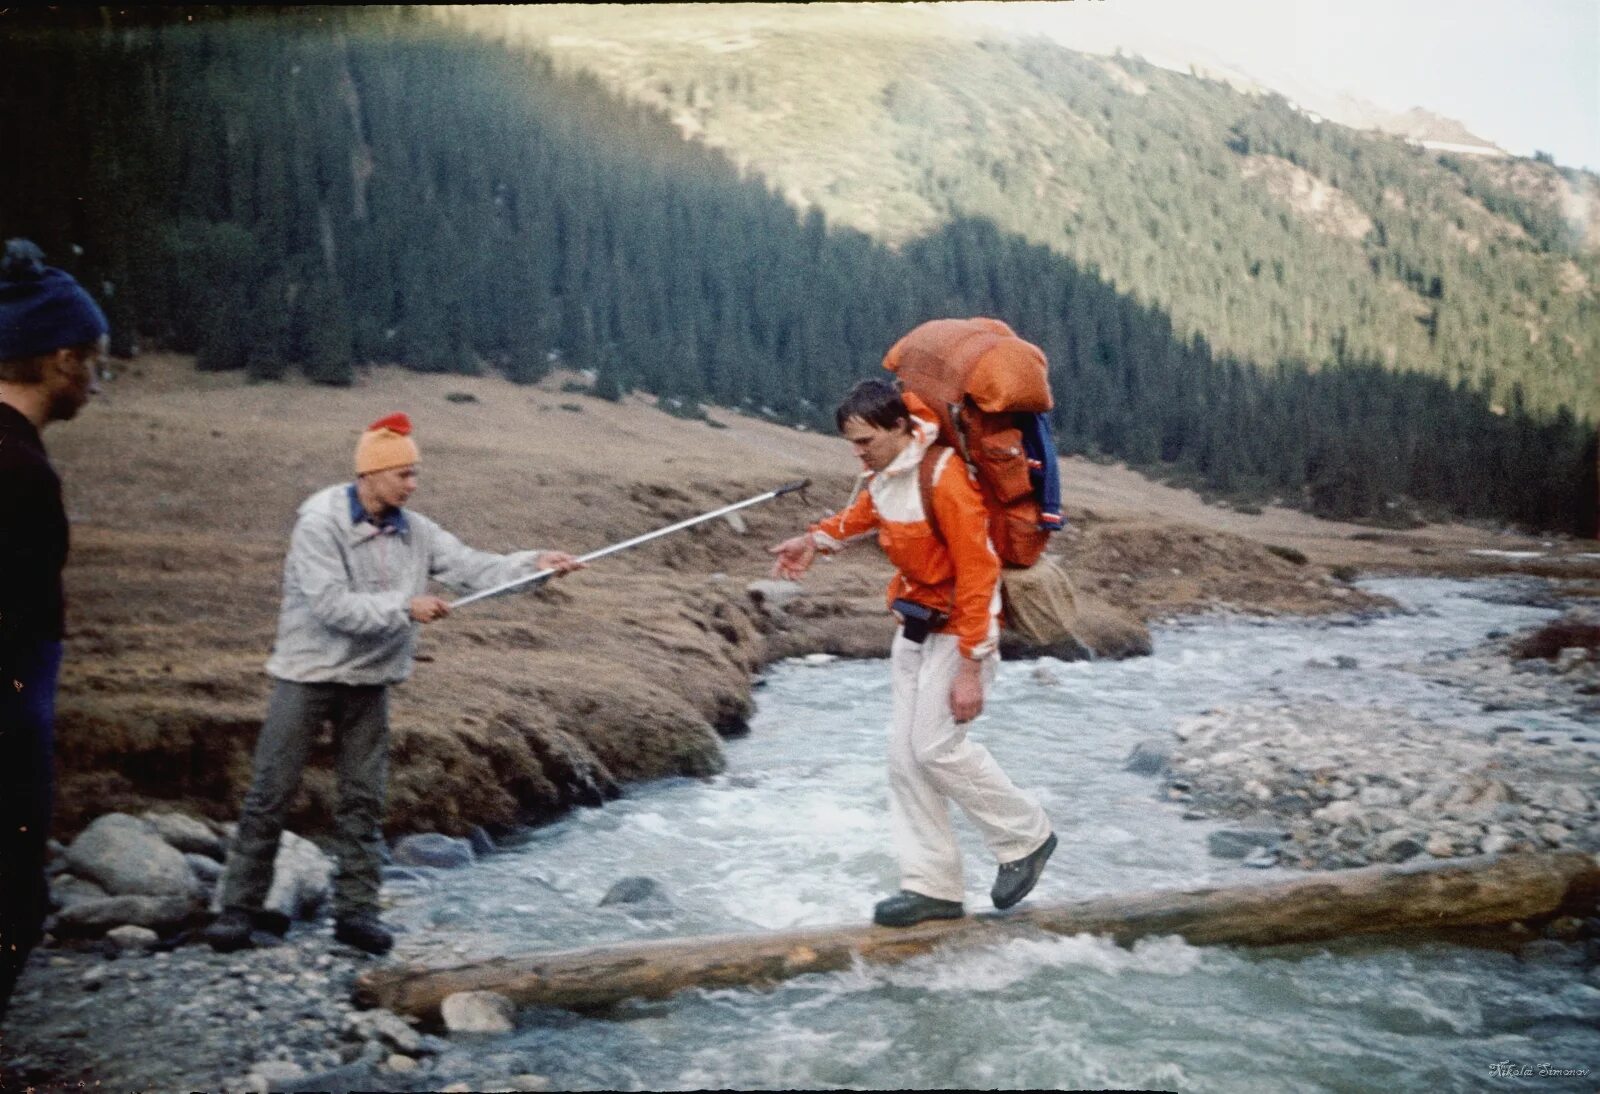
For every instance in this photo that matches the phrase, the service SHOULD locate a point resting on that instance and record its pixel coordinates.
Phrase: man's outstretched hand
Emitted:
(793, 557)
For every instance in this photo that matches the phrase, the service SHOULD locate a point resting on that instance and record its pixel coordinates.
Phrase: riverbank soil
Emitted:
(182, 489)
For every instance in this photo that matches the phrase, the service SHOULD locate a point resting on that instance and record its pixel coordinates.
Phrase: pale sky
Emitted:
(1524, 74)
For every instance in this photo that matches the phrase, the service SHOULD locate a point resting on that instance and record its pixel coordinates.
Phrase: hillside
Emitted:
(314, 191)
(1268, 233)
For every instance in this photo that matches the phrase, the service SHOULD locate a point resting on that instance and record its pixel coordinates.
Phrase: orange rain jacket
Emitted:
(960, 575)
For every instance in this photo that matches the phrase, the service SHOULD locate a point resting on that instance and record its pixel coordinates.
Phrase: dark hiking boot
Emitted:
(230, 931)
(364, 932)
(1016, 880)
(905, 908)
(274, 923)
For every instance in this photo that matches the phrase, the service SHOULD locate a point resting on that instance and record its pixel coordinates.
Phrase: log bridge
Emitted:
(1408, 902)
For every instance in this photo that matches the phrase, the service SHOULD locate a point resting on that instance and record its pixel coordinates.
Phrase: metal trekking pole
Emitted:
(545, 575)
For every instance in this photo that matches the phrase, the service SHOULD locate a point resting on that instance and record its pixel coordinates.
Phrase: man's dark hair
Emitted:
(875, 401)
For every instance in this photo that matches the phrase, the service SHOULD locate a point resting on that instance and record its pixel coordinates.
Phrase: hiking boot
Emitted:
(273, 923)
(230, 931)
(905, 908)
(364, 932)
(1016, 880)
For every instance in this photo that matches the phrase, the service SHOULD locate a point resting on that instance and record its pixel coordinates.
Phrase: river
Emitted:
(795, 833)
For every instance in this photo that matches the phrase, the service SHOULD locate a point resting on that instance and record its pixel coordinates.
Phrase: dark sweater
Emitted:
(33, 539)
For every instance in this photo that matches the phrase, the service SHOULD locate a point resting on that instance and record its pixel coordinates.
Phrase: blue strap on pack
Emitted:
(1044, 472)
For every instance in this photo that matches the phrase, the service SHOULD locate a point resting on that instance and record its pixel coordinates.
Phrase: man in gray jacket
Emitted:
(354, 592)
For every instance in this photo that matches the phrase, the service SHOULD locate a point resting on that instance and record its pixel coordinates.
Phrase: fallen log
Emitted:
(1410, 900)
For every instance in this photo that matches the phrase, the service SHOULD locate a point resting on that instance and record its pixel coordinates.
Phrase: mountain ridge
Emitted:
(893, 122)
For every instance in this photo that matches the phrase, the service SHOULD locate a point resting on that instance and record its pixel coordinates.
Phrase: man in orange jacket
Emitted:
(946, 594)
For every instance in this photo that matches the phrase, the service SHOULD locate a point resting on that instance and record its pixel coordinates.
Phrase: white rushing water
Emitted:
(795, 833)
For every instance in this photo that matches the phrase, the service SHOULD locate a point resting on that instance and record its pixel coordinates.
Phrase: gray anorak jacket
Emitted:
(347, 589)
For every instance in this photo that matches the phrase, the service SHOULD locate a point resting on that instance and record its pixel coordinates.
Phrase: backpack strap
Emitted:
(925, 472)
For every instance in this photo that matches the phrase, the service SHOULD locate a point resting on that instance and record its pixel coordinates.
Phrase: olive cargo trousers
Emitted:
(360, 719)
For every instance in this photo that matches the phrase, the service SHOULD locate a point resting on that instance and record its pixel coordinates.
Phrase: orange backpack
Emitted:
(977, 376)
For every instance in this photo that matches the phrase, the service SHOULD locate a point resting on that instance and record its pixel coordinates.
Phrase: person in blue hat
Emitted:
(52, 340)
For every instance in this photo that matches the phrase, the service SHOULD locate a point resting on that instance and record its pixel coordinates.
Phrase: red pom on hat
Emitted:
(394, 423)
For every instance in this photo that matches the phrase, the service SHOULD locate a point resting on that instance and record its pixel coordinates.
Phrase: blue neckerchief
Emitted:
(392, 521)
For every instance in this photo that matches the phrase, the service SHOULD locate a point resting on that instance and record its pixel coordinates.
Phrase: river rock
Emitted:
(187, 834)
(1495, 842)
(1396, 845)
(67, 890)
(127, 857)
(130, 937)
(92, 918)
(1336, 812)
(1478, 797)
(773, 595)
(637, 890)
(1239, 843)
(482, 842)
(277, 1075)
(478, 1012)
(385, 1027)
(434, 849)
(1439, 845)
(1380, 796)
(1571, 658)
(400, 1063)
(207, 869)
(1586, 838)
(1149, 757)
(1569, 799)
(302, 878)
(1553, 834)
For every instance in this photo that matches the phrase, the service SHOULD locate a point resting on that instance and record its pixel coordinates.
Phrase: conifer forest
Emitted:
(323, 190)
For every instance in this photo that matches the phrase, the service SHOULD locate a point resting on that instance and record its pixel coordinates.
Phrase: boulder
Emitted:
(636, 890)
(66, 890)
(773, 595)
(206, 868)
(1149, 757)
(1495, 841)
(385, 1027)
(1112, 633)
(127, 857)
(1239, 843)
(302, 878)
(1476, 798)
(1397, 845)
(187, 834)
(93, 918)
(433, 849)
(130, 937)
(1337, 812)
(482, 842)
(478, 1012)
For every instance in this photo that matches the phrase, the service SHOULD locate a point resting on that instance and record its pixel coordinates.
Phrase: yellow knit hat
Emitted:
(386, 443)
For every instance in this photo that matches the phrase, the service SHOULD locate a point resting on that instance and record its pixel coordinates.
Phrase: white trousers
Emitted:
(932, 763)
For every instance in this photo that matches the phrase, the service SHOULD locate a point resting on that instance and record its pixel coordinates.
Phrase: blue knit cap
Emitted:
(42, 309)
